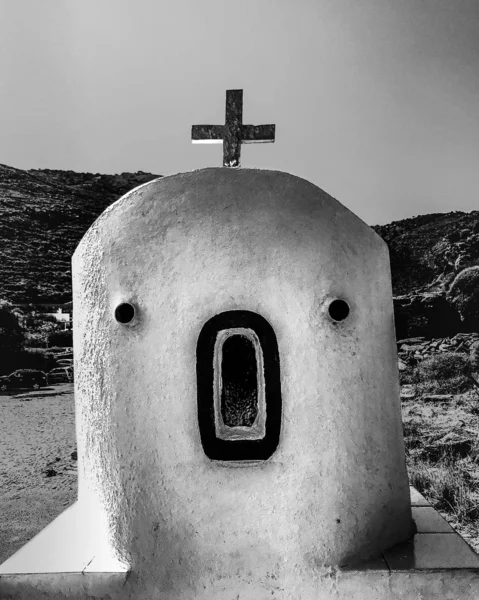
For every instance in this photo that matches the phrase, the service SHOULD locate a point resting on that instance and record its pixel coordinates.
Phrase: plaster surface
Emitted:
(187, 247)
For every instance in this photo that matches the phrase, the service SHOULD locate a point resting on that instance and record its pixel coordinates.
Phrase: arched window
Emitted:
(239, 389)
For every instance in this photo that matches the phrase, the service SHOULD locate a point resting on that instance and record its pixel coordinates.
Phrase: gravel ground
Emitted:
(38, 477)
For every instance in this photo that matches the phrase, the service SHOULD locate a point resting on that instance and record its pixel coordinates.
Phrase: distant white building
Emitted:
(60, 316)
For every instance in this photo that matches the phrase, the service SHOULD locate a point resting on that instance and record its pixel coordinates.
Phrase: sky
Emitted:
(374, 101)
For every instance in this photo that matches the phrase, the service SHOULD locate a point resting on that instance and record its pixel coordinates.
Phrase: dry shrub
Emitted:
(413, 436)
(474, 356)
(407, 376)
(447, 486)
(464, 294)
(445, 373)
(470, 401)
(444, 366)
(454, 385)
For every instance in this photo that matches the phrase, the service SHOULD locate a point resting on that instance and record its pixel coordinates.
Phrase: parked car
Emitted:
(23, 378)
(64, 355)
(65, 362)
(60, 375)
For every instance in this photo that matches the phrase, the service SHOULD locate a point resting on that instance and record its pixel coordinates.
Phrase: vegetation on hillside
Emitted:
(12, 334)
(448, 373)
(464, 295)
(45, 213)
(26, 339)
(428, 250)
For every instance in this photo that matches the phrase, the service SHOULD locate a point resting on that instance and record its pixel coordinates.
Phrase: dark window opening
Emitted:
(239, 382)
(238, 387)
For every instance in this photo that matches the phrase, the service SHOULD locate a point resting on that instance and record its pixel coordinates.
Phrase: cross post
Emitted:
(233, 133)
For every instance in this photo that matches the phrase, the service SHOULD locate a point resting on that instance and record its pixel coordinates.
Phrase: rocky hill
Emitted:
(46, 212)
(428, 251)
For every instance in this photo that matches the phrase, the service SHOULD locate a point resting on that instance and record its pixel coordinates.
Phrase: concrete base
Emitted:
(61, 562)
(67, 545)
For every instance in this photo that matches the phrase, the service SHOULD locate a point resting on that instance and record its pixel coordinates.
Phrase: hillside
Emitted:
(46, 212)
(427, 251)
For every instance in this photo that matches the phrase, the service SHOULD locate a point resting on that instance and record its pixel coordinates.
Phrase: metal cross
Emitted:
(233, 133)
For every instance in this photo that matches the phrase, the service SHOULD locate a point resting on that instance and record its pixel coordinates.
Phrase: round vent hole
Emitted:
(124, 313)
(338, 310)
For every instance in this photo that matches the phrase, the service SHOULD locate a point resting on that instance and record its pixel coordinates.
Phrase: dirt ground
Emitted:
(37, 428)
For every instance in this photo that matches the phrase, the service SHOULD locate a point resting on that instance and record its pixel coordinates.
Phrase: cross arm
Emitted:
(207, 134)
(258, 133)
